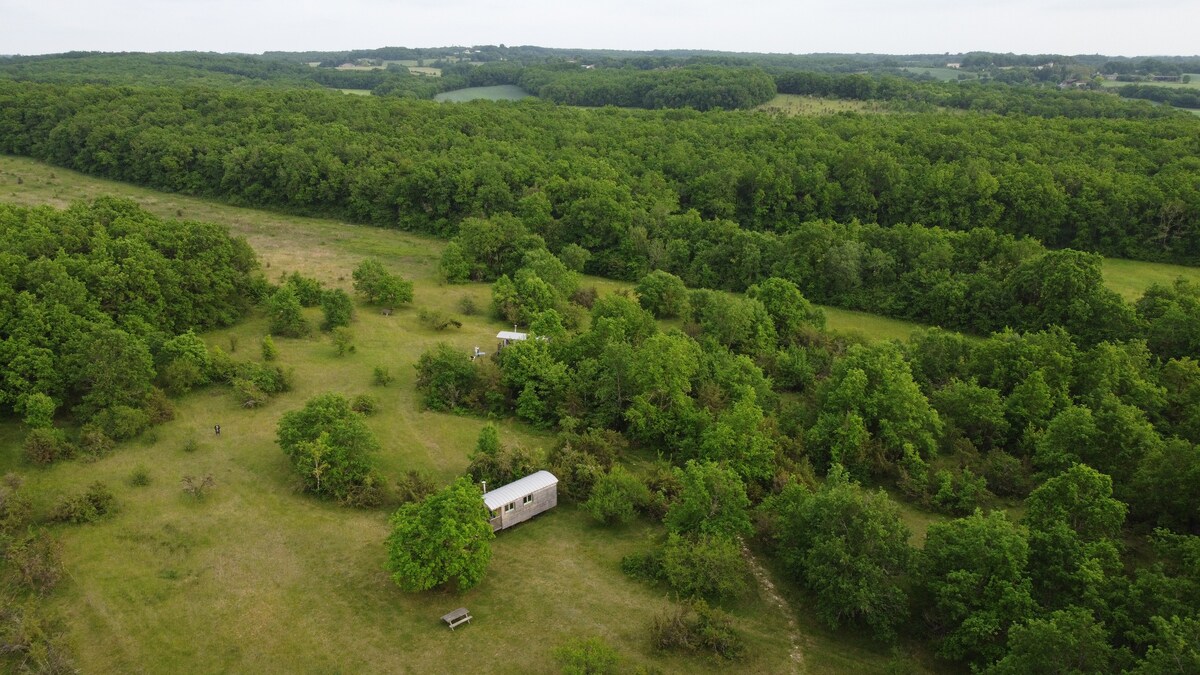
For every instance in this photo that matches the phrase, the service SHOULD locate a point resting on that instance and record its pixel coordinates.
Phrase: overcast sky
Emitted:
(1114, 27)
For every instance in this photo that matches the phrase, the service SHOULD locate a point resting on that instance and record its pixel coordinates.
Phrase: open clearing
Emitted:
(796, 104)
(1131, 278)
(1193, 84)
(257, 577)
(500, 92)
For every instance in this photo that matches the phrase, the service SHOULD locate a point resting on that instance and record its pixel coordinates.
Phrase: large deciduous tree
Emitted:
(445, 538)
(849, 548)
(975, 583)
(330, 447)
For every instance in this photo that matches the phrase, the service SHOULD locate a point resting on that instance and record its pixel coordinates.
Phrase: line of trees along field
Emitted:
(723, 200)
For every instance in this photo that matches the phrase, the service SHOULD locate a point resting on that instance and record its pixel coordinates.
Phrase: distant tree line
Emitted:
(905, 93)
(1175, 96)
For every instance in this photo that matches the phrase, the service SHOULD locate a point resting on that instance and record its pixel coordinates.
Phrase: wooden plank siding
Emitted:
(524, 507)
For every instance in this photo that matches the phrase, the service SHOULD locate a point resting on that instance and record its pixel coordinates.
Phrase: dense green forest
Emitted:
(1054, 426)
(101, 299)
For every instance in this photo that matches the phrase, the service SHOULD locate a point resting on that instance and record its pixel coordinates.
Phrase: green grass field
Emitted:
(501, 92)
(870, 326)
(795, 104)
(258, 577)
(1131, 278)
(1193, 84)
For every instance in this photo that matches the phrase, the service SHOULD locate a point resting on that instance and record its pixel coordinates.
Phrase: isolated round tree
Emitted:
(444, 538)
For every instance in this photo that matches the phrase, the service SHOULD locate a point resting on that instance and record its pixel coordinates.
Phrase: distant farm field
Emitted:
(421, 70)
(501, 92)
(356, 92)
(796, 104)
(1193, 84)
(943, 74)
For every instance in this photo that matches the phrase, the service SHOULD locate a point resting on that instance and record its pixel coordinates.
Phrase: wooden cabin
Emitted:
(522, 499)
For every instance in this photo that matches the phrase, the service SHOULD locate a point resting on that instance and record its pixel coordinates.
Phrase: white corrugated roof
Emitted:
(517, 489)
(509, 335)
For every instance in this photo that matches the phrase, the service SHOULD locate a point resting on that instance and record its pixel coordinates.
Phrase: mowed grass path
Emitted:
(257, 577)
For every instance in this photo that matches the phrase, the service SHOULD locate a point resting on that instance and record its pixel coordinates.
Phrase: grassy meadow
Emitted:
(257, 577)
(796, 104)
(500, 92)
(1131, 278)
(1193, 84)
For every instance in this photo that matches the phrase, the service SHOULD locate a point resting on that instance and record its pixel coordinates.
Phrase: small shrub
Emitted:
(468, 306)
(644, 566)
(710, 567)
(343, 341)
(414, 487)
(14, 506)
(435, 320)
(591, 656)
(233, 343)
(97, 502)
(696, 627)
(39, 410)
(46, 446)
(269, 351)
(140, 477)
(37, 559)
(365, 404)
(617, 496)
(308, 290)
(191, 444)
(957, 492)
(39, 641)
(248, 393)
(93, 442)
(585, 297)
(197, 488)
(123, 422)
(180, 376)
(367, 494)
(159, 408)
(1005, 474)
(382, 376)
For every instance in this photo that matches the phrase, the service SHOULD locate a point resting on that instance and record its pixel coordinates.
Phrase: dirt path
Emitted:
(764, 582)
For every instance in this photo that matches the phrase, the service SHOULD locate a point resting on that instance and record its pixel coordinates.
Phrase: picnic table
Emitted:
(457, 617)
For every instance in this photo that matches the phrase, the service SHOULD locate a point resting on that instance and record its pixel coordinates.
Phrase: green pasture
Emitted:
(500, 92)
(1193, 84)
(1131, 278)
(257, 577)
(796, 104)
(356, 92)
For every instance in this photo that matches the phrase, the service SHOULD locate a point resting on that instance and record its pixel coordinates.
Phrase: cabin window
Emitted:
(495, 513)
(528, 499)
(510, 507)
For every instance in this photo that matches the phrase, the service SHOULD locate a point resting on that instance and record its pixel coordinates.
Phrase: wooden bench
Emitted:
(457, 617)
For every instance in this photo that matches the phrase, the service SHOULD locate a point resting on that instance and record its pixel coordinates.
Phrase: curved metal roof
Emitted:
(519, 488)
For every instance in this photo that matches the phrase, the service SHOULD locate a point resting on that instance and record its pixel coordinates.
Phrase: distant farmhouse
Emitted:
(521, 500)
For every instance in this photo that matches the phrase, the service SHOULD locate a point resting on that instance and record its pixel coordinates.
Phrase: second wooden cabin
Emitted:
(522, 499)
